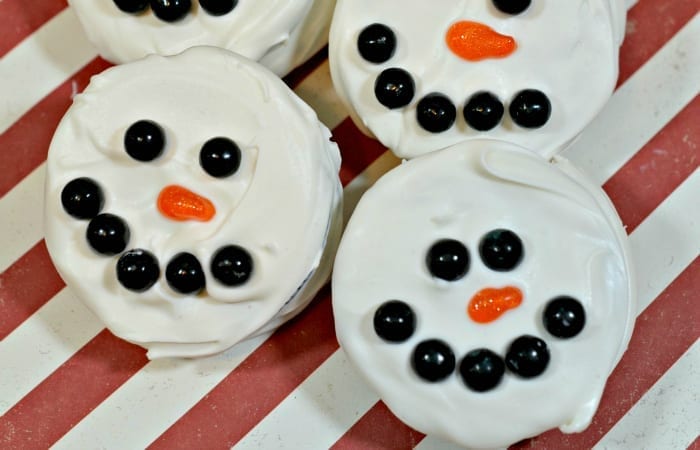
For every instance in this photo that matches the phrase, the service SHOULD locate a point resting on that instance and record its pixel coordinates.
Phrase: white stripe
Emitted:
(641, 107)
(40, 63)
(666, 417)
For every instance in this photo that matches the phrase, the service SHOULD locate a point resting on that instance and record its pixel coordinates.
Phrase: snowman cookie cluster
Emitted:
(281, 34)
(426, 75)
(192, 201)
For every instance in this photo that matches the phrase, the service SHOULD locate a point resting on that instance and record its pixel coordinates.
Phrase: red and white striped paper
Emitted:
(67, 382)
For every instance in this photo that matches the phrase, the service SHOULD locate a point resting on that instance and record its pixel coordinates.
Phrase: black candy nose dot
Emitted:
(132, 6)
(394, 88)
(436, 113)
(482, 370)
(232, 265)
(433, 360)
(483, 111)
(511, 6)
(394, 321)
(501, 250)
(564, 317)
(220, 157)
(530, 109)
(144, 140)
(184, 274)
(137, 270)
(108, 234)
(376, 43)
(448, 259)
(218, 7)
(171, 10)
(527, 356)
(82, 198)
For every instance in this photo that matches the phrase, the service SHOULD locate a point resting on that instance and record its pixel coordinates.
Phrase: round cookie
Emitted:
(192, 201)
(485, 293)
(279, 34)
(432, 74)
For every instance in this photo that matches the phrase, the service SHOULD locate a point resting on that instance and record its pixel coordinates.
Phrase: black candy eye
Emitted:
(108, 234)
(448, 260)
(394, 88)
(433, 360)
(144, 140)
(171, 10)
(220, 157)
(511, 6)
(137, 270)
(530, 109)
(184, 274)
(564, 317)
(501, 250)
(218, 7)
(483, 111)
(377, 43)
(82, 198)
(394, 321)
(132, 6)
(528, 356)
(482, 370)
(436, 113)
(232, 265)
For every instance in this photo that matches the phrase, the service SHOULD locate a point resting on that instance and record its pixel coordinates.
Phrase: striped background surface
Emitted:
(66, 382)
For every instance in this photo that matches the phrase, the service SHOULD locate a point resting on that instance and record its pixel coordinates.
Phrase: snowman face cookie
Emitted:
(191, 201)
(484, 293)
(426, 75)
(280, 34)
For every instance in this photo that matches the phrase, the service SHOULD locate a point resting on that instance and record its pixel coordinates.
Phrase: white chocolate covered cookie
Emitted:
(485, 293)
(421, 76)
(192, 201)
(281, 34)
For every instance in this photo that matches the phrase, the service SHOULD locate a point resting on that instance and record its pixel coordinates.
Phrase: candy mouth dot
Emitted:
(489, 304)
(475, 41)
(178, 203)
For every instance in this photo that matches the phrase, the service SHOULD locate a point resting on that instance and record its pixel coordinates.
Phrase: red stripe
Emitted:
(358, 150)
(70, 393)
(658, 168)
(650, 24)
(25, 287)
(19, 19)
(378, 429)
(24, 145)
(300, 73)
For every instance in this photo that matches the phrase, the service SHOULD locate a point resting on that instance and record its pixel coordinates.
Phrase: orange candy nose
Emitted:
(178, 203)
(475, 41)
(489, 304)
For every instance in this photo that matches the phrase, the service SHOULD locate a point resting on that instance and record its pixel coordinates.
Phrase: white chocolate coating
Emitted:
(573, 245)
(280, 34)
(282, 205)
(566, 49)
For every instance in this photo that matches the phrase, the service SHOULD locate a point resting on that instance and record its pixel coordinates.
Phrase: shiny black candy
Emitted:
(528, 356)
(448, 260)
(564, 317)
(530, 109)
(220, 157)
(232, 265)
(436, 113)
(171, 10)
(483, 111)
(394, 321)
(108, 234)
(394, 88)
(377, 43)
(184, 274)
(482, 370)
(82, 198)
(132, 6)
(137, 270)
(218, 7)
(144, 141)
(512, 7)
(433, 360)
(501, 250)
